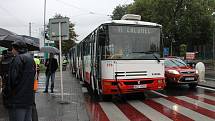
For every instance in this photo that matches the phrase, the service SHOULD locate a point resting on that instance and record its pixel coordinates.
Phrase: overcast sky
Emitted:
(85, 14)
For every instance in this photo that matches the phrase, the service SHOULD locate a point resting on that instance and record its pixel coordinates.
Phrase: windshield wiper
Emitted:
(150, 53)
(156, 58)
(181, 62)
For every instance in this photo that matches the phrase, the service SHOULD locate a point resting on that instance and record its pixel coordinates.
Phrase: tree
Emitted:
(67, 44)
(183, 50)
(119, 11)
(185, 21)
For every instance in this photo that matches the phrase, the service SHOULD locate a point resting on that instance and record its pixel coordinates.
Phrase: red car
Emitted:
(178, 72)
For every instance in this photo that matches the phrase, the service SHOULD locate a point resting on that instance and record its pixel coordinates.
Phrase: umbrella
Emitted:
(49, 49)
(7, 40)
(6, 32)
(36, 40)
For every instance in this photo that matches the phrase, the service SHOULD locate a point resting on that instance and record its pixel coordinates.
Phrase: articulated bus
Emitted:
(120, 57)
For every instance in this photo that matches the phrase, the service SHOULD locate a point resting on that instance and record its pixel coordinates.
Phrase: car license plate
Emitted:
(139, 86)
(189, 78)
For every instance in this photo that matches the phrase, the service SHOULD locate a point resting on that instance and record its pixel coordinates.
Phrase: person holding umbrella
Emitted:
(7, 57)
(51, 67)
(19, 87)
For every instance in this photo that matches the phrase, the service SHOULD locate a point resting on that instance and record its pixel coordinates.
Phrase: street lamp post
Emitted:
(172, 41)
(213, 14)
(44, 22)
(171, 48)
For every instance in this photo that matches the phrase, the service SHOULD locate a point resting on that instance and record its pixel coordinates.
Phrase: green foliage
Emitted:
(185, 21)
(183, 50)
(67, 44)
(119, 11)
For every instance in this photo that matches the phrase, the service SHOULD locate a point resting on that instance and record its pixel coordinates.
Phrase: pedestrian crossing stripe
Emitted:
(181, 108)
(207, 96)
(202, 99)
(111, 110)
(172, 114)
(211, 94)
(132, 113)
(97, 114)
(197, 102)
(148, 111)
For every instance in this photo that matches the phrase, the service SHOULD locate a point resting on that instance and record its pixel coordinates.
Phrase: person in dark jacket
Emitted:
(20, 83)
(51, 67)
(4, 68)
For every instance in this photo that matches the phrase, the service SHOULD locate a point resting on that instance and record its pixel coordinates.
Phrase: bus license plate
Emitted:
(189, 78)
(139, 86)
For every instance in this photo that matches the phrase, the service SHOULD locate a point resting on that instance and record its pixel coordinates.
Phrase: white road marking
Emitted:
(197, 102)
(207, 96)
(185, 111)
(113, 112)
(206, 88)
(149, 112)
(209, 78)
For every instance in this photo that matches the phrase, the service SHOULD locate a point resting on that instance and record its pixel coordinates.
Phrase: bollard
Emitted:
(200, 67)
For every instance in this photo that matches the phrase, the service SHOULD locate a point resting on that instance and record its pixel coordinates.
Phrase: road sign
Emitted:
(54, 28)
(165, 52)
(59, 30)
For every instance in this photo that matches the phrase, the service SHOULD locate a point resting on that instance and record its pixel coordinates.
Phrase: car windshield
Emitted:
(174, 63)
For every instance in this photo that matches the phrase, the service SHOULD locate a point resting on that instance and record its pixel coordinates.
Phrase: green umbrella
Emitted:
(2, 49)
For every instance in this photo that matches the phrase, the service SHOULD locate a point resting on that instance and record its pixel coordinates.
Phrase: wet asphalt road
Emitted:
(174, 103)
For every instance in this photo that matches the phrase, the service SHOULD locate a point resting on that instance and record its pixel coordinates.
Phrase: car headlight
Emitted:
(173, 71)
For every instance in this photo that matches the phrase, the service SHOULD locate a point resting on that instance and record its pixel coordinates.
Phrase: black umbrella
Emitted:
(5, 32)
(49, 49)
(7, 40)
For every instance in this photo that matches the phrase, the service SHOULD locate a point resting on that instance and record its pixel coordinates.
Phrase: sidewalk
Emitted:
(210, 78)
(48, 106)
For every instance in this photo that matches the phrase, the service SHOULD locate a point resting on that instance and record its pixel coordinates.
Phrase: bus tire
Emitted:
(105, 97)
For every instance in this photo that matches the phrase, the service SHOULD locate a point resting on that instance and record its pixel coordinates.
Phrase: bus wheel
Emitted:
(106, 97)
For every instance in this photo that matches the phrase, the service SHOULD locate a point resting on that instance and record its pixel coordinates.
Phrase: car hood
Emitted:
(180, 68)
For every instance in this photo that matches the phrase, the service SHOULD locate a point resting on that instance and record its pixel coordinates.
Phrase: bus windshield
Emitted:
(132, 42)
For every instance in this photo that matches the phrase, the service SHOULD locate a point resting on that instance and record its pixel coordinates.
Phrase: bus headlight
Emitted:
(160, 81)
(173, 71)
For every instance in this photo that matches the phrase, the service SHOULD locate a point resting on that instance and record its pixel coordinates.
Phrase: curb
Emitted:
(206, 86)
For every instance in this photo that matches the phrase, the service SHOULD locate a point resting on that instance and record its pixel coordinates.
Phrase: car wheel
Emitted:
(193, 85)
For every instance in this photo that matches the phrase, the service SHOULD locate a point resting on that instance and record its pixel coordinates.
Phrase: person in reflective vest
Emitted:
(37, 62)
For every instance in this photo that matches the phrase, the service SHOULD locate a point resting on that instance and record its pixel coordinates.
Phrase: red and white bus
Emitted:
(120, 57)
